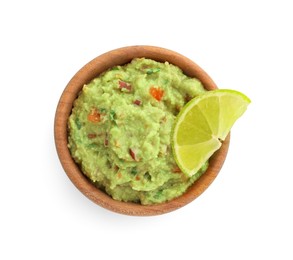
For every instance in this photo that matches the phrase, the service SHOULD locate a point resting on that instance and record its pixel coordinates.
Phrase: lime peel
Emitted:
(202, 125)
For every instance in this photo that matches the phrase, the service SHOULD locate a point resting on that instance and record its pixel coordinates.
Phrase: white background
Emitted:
(244, 45)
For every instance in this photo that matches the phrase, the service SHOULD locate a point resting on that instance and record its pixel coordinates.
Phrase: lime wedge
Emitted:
(202, 125)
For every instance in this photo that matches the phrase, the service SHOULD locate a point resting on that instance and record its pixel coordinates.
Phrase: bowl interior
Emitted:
(93, 69)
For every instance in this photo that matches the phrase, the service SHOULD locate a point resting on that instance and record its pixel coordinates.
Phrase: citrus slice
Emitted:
(202, 125)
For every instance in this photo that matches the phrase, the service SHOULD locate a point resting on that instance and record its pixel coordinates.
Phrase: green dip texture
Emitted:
(120, 131)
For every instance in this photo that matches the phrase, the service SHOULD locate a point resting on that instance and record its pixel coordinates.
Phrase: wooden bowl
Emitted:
(85, 75)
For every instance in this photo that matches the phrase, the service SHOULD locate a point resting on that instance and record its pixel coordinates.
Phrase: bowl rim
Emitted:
(91, 70)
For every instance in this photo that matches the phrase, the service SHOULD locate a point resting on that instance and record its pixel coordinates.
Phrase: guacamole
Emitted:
(120, 131)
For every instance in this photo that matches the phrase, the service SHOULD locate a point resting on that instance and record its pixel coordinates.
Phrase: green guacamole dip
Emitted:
(120, 131)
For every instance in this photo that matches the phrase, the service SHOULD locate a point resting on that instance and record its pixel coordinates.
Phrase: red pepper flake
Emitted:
(137, 178)
(157, 93)
(176, 169)
(119, 175)
(92, 135)
(124, 85)
(132, 154)
(137, 102)
(94, 116)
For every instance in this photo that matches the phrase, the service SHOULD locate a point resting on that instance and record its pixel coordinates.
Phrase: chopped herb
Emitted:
(112, 116)
(78, 123)
(159, 194)
(134, 171)
(152, 70)
(92, 145)
(147, 176)
(115, 68)
(109, 164)
(103, 110)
